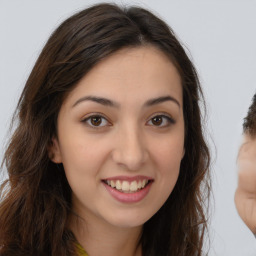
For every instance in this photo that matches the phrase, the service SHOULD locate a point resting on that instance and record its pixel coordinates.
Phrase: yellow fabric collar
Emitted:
(81, 250)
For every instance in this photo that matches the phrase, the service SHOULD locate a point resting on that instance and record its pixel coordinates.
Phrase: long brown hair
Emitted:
(36, 200)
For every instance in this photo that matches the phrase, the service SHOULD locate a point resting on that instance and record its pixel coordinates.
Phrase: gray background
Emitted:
(220, 38)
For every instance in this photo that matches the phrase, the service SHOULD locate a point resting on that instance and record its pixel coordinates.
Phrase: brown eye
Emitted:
(157, 120)
(96, 120)
(161, 121)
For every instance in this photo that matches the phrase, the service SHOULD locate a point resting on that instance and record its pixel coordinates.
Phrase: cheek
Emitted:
(82, 159)
(168, 156)
(82, 162)
(170, 151)
(170, 169)
(167, 159)
(81, 148)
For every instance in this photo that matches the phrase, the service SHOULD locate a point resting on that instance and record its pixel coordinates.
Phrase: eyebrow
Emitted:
(100, 100)
(159, 100)
(110, 103)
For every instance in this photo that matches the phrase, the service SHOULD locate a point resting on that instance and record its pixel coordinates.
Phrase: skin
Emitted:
(127, 142)
(245, 196)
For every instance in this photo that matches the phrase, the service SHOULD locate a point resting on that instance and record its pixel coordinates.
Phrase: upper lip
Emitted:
(130, 178)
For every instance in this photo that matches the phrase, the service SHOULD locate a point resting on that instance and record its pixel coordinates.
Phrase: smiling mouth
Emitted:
(126, 186)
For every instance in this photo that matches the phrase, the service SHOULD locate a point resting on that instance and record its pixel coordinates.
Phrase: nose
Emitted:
(130, 149)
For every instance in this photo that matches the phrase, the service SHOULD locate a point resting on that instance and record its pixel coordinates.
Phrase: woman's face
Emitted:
(121, 137)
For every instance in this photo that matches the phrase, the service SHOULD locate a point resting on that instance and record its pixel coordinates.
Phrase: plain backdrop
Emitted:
(219, 36)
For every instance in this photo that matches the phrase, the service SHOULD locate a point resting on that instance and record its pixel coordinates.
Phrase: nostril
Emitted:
(129, 149)
(132, 161)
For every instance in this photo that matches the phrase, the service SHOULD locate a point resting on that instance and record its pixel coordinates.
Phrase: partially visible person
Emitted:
(245, 196)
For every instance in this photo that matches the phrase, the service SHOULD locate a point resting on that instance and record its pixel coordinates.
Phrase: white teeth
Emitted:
(118, 184)
(134, 186)
(127, 187)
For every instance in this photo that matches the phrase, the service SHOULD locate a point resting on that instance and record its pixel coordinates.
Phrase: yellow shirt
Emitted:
(81, 250)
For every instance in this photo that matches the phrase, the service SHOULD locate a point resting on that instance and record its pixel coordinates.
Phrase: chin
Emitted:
(129, 220)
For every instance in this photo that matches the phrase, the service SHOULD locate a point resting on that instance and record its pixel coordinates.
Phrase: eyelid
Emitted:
(169, 118)
(86, 118)
(164, 115)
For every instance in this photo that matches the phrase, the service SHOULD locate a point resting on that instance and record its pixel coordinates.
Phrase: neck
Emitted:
(100, 238)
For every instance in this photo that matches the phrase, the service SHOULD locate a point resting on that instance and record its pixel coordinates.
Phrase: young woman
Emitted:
(108, 156)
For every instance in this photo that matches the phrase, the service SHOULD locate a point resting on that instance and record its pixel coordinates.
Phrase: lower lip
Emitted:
(128, 197)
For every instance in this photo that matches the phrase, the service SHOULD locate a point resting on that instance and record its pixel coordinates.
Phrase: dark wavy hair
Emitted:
(249, 125)
(36, 199)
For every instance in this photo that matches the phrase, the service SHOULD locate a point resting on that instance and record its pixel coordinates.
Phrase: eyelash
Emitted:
(163, 116)
(88, 121)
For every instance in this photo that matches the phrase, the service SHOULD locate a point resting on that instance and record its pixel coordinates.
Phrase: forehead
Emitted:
(247, 151)
(139, 72)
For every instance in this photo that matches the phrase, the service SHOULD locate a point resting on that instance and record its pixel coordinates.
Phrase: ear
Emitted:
(54, 151)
